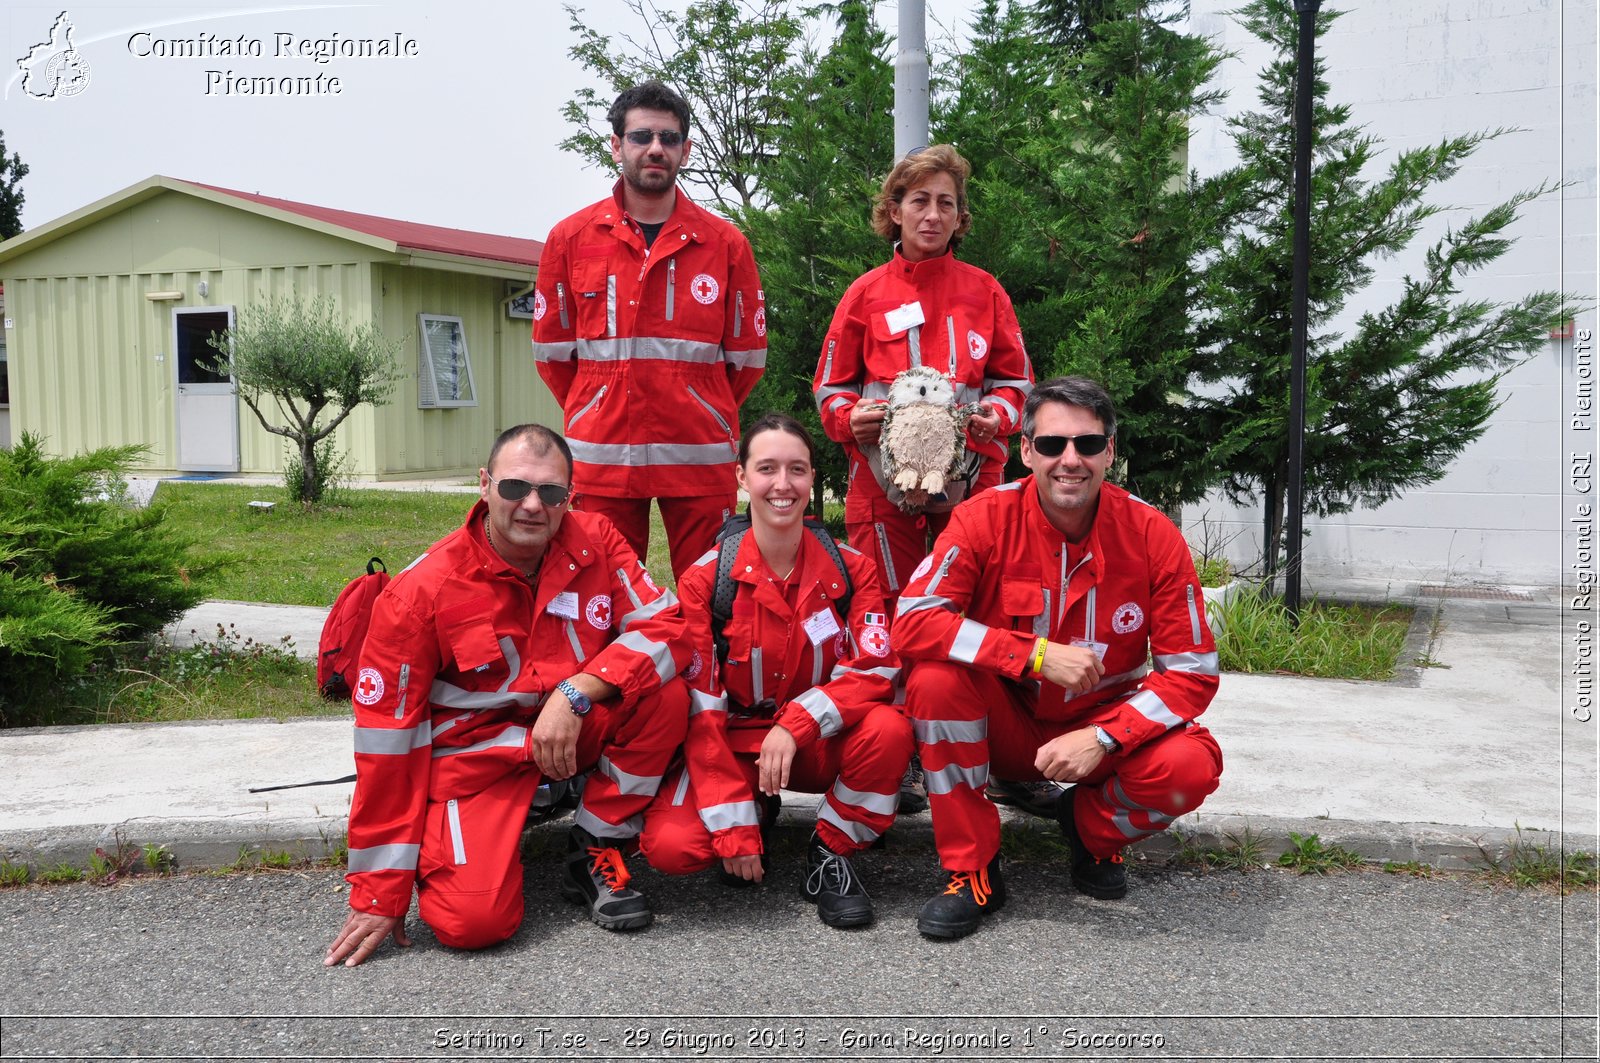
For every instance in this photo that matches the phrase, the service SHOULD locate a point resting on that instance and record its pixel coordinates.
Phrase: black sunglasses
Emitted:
(1054, 446)
(551, 495)
(670, 138)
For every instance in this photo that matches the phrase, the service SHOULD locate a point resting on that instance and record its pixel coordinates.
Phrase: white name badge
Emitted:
(1099, 648)
(822, 626)
(906, 316)
(564, 605)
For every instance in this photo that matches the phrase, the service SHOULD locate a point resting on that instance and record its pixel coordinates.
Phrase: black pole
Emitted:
(1305, 76)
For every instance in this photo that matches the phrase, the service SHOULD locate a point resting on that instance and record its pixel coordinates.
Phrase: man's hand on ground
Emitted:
(745, 867)
(1074, 669)
(361, 935)
(1071, 757)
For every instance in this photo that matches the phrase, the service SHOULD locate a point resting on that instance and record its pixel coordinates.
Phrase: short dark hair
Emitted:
(652, 96)
(776, 422)
(1070, 391)
(542, 439)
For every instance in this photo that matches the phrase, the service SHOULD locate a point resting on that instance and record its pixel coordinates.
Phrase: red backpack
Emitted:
(344, 632)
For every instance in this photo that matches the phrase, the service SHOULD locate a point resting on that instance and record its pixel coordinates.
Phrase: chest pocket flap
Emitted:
(1021, 596)
(466, 632)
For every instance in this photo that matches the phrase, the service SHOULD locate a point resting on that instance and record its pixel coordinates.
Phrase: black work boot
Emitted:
(1103, 879)
(1041, 798)
(834, 887)
(594, 874)
(770, 806)
(913, 792)
(967, 897)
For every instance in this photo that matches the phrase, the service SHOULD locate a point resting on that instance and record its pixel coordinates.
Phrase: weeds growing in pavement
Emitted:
(1413, 868)
(158, 859)
(60, 874)
(14, 874)
(1309, 855)
(1529, 865)
(1243, 851)
(1333, 641)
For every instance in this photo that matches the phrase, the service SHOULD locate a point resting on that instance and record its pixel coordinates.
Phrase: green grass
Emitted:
(1527, 865)
(1309, 855)
(1332, 641)
(290, 556)
(1243, 851)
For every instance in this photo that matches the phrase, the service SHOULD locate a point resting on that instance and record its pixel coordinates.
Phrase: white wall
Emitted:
(1416, 72)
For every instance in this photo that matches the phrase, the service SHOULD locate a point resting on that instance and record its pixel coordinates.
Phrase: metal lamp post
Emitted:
(1305, 76)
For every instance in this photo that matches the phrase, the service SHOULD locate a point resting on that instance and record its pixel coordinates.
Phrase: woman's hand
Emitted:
(775, 759)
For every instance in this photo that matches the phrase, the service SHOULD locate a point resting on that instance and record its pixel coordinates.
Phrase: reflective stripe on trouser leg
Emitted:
(1146, 789)
(859, 772)
(950, 708)
(477, 903)
(638, 745)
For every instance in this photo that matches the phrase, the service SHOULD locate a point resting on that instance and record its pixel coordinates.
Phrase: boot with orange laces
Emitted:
(967, 897)
(594, 874)
(1103, 878)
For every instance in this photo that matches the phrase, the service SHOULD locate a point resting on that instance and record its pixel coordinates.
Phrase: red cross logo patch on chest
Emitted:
(1127, 618)
(704, 288)
(599, 611)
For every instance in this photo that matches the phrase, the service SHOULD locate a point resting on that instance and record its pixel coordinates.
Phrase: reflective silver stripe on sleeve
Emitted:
(672, 285)
(453, 697)
(927, 601)
(1198, 663)
(441, 728)
(574, 641)
(754, 358)
(758, 676)
(1041, 623)
(1110, 681)
(560, 351)
(856, 831)
(732, 814)
(681, 791)
(1151, 707)
(817, 657)
(829, 392)
(393, 741)
(950, 556)
(738, 313)
(650, 348)
(875, 389)
(627, 586)
(638, 455)
(383, 858)
(452, 812)
(1020, 385)
(821, 708)
(825, 393)
(883, 804)
(561, 304)
(968, 641)
(628, 783)
(886, 557)
(658, 653)
(1088, 614)
(885, 672)
(611, 304)
(700, 701)
(947, 778)
(513, 735)
(929, 732)
(1010, 410)
(628, 828)
(1194, 617)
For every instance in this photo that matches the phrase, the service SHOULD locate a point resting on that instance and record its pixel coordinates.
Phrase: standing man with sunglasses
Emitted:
(528, 644)
(1032, 623)
(650, 329)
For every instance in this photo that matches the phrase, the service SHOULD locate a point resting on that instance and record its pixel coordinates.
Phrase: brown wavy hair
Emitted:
(911, 171)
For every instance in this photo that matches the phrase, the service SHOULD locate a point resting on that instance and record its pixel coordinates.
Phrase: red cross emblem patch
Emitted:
(977, 346)
(704, 288)
(875, 640)
(599, 611)
(1127, 618)
(538, 305)
(369, 686)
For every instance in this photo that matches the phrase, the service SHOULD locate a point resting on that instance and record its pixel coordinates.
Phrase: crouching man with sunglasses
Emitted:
(529, 644)
(1059, 633)
(649, 327)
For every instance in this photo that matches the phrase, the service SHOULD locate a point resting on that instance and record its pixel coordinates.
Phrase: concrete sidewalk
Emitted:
(1429, 766)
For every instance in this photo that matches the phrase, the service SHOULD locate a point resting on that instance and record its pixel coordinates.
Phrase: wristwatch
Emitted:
(1107, 743)
(580, 701)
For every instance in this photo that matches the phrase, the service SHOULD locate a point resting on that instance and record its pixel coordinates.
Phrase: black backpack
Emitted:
(729, 538)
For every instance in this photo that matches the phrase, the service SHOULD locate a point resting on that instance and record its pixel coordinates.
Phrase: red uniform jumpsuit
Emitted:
(829, 678)
(998, 578)
(969, 332)
(650, 352)
(461, 654)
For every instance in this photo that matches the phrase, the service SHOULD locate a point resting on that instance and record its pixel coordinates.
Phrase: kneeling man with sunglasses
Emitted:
(1059, 633)
(529, 644)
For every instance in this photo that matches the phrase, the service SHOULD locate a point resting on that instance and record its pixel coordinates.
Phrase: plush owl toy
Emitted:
(924, 436)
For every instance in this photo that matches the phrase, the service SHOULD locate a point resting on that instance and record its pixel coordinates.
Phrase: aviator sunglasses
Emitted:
(1087, 445)
(670, 138)
(551, 495)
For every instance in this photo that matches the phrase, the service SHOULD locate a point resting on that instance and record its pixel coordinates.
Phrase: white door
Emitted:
(208, 406)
